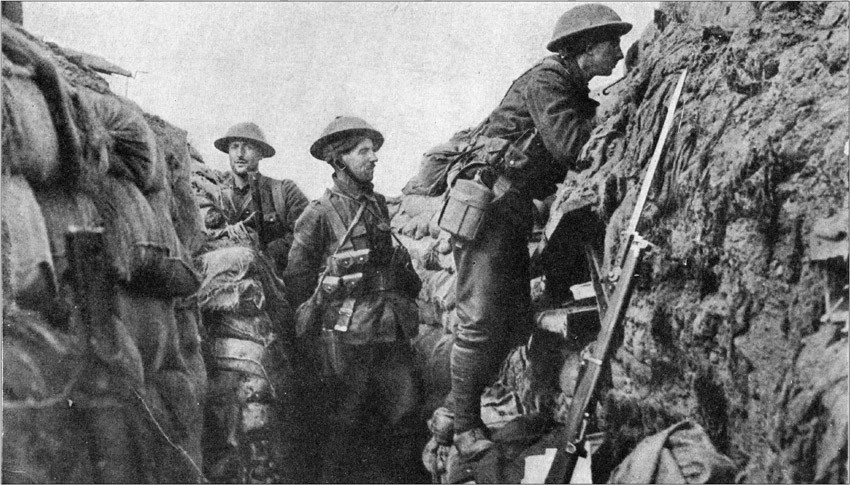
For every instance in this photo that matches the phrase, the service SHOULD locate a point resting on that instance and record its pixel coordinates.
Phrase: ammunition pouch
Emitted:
(342, 286)
(380, 279)
(347, 262)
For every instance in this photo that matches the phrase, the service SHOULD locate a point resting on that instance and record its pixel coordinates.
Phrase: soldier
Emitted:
(367, 314)
(546, 113)
(282, 201)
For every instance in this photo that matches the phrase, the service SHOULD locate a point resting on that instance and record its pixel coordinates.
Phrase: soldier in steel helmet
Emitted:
(234, 216)
(365, 315)
(547, 114)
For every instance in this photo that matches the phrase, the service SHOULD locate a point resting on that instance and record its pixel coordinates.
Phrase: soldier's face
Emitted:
(244, 157)
(602, 58)
(361, 160)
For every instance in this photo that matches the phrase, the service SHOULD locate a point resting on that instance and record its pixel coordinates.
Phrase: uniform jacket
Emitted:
(377, 315)
(552, 97)
(237, 204)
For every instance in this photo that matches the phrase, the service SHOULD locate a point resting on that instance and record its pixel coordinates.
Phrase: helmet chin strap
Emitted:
(341, 167)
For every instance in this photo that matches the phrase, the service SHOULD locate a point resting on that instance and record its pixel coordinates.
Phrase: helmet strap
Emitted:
(341, 167)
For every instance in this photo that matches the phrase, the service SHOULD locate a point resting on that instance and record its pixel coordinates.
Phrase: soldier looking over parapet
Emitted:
(519, 153)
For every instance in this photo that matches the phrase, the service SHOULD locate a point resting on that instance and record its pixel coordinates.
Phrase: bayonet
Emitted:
(612, 310)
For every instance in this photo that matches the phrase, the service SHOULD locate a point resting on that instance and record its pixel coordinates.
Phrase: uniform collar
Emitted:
(230, 181)
(574, 72)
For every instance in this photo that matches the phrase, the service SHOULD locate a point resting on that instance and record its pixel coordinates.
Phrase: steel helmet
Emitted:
(586, 18)
(245, 131)
(343, 127)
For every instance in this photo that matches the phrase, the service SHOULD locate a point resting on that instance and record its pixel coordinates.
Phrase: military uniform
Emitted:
(493, 295)
(372, 397)
(282, 203)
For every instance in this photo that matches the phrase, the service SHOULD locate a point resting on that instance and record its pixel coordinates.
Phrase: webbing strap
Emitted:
(346, 311)
(278, 200)
(335, 219)
(379, 217)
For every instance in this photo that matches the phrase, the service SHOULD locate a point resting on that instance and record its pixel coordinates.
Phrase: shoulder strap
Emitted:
(277, 198)
(335, 219)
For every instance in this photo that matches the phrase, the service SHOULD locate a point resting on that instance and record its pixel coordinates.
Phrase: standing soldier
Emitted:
(268, 225)
(252, 412)
(547, 114)
(367, 314)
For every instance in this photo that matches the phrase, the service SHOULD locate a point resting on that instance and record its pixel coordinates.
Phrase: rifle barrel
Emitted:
(585, 395)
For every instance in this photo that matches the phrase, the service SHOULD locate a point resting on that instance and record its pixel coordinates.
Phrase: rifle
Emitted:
(257, 203)
(93, 281)
(89, 267)
(613, 307)
(93, 292)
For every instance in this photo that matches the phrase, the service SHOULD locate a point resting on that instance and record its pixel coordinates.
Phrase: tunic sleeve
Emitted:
(295, 201)
(306, 254)
(559, 114)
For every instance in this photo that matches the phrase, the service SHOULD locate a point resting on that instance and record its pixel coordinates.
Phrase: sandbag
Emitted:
(414, 205)
(253, 429)
(238, 278)
(226, 285)
(430, 180)
(44, 439)
(32, 277)
(682, 453)
(30, 145)
(437, 298)
(61, 209)
(132, 145)
(176, 199)
(40, 137)
(143, 246)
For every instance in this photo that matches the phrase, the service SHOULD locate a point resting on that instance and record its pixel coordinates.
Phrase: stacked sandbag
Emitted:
(259, 425)
(105, 389)
(206, 185)
(414, 219)
(253, 433)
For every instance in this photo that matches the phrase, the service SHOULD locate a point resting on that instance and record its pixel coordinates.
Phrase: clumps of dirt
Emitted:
(728, 315)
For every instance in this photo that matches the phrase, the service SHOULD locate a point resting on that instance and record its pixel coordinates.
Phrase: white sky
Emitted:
(417, 72)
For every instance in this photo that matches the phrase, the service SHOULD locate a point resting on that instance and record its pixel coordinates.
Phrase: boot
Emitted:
(472, 444)
(442, 426)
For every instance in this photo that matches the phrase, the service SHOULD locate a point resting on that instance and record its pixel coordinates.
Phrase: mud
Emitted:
(728, 310)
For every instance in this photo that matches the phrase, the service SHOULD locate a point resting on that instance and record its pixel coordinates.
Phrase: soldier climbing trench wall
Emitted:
(735, 341)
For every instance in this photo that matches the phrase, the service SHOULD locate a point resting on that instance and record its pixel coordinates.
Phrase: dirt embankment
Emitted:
(726, 325)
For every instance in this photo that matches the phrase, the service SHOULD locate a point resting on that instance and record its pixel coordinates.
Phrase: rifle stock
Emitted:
(566, 456)
(86, 253)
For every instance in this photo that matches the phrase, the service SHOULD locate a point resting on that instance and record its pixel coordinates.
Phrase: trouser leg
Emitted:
(493, 304)
(348, 393)
(472, 368)
(399, 440)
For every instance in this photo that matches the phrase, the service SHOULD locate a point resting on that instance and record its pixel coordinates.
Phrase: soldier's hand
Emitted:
(236, 231)
(250, 221)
